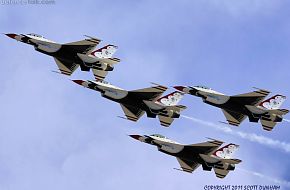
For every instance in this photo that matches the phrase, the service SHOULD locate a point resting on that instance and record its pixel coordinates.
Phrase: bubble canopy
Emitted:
(203, 87)
(159, 136)
(36, 35)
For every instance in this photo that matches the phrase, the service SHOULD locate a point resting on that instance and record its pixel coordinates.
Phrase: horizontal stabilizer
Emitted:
(231, 161)
(165, 121)
(99, 74)
(221, 173)
(279, 111)
(268, 125)
(177, 108)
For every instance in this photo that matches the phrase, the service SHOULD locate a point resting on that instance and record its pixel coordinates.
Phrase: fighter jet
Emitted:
(135, 103)
(190, 157)
(237, 108)
(71, 55)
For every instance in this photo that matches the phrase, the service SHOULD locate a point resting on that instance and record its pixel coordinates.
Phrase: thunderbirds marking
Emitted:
(207, 154)
(71, 55)
(135, 103)
(237, 108)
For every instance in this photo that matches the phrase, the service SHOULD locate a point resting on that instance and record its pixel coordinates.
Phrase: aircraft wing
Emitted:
(150, 93)
(132, 113)
(85, 46)
(233, 118)
(66, 68)
(251, 98)
(207, 147)
(187, 166)
(221, 173)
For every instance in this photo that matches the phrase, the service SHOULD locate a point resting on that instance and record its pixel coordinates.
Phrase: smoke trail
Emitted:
(274, 180)
(287, 120)
(248, 136)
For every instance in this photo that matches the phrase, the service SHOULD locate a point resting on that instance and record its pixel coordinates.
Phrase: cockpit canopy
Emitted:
(159, 136)
(102, 81)
(36, 35)
(203, 87)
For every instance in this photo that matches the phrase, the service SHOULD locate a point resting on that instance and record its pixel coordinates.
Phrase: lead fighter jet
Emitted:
(190, 157)
(136, 102)
(236, 108)
(71, 55)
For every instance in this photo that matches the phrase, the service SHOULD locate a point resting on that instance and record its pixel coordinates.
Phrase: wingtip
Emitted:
(93, 38)
(214, 139)
(157, 84)
(256, 88)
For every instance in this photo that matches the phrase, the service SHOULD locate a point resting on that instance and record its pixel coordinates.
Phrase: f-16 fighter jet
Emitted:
(236, 108)
(190, 157)
(135, 103)
(71, 55)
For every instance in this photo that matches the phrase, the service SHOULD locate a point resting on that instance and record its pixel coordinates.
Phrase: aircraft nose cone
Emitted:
(180, 88)
(135, 136)
(11, 35)
(80, 82)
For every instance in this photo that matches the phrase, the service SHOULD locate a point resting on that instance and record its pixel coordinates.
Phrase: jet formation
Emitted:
(210, 155)
(135, 103)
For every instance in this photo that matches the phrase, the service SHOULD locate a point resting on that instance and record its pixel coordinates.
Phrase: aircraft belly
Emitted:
(232, 106)
(115, 94)
(216, 99)
(170, 148)
(135, 102)
(66, 54)
(190, 157)
(255, 110)
(49, 48)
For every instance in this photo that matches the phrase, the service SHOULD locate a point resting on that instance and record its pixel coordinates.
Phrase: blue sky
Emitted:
(56, 135)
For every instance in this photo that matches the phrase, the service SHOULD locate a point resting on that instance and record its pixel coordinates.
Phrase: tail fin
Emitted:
(227, 151)
(105, 52)
(274, 102)
(171, 99)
